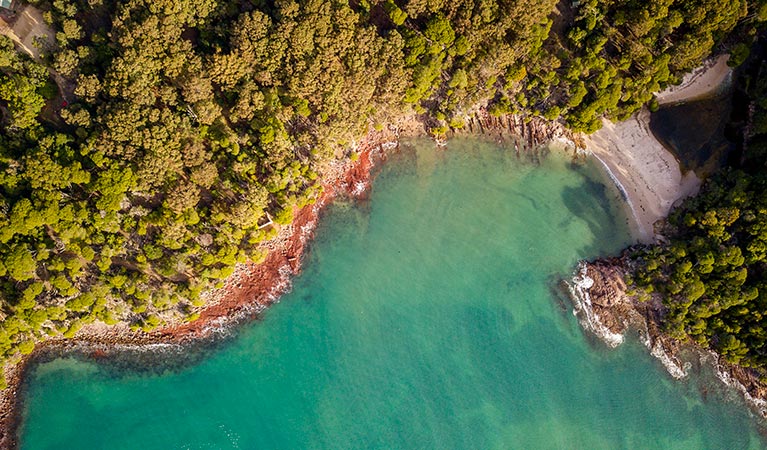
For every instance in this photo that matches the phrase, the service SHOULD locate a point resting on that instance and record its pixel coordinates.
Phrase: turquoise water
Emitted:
(426, 318)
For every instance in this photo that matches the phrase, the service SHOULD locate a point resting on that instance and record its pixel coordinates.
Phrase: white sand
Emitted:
(702, 81)
(647, 174)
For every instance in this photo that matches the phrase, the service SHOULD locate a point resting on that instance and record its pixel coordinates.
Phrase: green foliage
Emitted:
(711, 274)
(738, 55)
(20, 263)
(397, 15)
(620, 53)
(190, 123)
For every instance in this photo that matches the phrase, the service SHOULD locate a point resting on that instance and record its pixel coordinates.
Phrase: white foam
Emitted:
(675, 368)
(584, 310)
(389, 145)
(724, 375)
(359, 188)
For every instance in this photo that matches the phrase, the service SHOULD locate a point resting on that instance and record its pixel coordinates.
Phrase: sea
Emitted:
(429, 316)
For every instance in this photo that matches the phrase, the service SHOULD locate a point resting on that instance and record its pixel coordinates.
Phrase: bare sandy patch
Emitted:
(701, 82)
(29, 31)
(646, 173)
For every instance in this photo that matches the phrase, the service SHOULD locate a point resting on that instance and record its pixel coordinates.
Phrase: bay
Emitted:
(427, 317)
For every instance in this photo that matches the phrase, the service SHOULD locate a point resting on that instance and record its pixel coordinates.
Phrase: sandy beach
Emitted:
(646, 173)
(703, 81)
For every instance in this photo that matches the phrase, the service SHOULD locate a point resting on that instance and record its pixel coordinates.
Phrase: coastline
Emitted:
(605, 308)
(645, 172)
(701, 82)
(253, 287)
(247, 292)
(652, 183)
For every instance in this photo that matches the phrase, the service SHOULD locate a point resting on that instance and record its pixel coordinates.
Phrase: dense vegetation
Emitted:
(142, 156)
(713, 271)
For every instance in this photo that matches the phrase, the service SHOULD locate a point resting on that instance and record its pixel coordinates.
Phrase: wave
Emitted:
(724, 374)
(624, 193)
(673, 365)
(584, 310)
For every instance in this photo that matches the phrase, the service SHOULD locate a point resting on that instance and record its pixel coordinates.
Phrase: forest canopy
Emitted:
(141, 156)
(712, 274)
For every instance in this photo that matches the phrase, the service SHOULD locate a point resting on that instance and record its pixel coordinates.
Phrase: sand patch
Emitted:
(645, 171)
(701, 82)
(29, 31)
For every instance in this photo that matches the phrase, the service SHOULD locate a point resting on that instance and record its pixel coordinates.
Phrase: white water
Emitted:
(579, 288)
(584, 310)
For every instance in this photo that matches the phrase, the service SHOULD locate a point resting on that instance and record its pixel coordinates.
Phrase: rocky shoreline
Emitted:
(598, 289)
(246, 293)
(526, 135)
(603, 306)
(254, 287)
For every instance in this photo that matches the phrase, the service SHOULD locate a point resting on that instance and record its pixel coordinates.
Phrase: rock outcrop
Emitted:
(604, 306)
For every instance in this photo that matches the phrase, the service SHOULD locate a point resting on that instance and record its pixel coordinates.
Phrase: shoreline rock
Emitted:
(527, 134)
(604, 307)
(246, 293)
(254, 287)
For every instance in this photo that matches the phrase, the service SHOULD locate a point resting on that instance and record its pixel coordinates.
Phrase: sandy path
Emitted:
(645, 172)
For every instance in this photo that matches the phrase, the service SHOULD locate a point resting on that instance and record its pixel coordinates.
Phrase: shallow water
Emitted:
(425, 318)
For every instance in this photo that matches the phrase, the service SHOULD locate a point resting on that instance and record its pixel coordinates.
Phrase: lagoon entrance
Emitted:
(428, 317)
